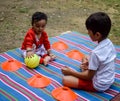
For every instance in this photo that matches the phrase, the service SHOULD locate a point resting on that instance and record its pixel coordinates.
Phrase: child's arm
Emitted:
(28, 43)
(29, 52)
(86, 75)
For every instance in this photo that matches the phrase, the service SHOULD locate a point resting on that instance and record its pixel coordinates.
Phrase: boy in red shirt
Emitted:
(36, 39)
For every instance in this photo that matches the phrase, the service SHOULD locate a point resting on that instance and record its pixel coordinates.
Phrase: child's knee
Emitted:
(64, 80)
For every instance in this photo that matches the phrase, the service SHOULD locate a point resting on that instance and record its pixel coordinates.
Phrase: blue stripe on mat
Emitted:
(53, 71)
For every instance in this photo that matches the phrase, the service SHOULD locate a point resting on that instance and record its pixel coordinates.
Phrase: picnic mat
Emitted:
(14, 86)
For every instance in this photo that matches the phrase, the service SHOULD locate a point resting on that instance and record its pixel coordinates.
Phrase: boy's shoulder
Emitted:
(104, 50)
(106, 44)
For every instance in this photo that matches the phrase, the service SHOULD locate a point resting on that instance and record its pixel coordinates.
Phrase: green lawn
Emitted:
(63, 15)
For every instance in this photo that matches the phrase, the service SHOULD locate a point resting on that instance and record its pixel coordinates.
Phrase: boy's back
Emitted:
(98, 72)
(102, 60)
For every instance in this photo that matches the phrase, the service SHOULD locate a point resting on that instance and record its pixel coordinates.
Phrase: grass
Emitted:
(112, 7)
(63, 15)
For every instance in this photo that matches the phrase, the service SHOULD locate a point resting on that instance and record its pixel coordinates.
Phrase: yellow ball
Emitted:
(33, 61)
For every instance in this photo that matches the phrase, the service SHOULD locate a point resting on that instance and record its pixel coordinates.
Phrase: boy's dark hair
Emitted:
(99, 22)
(37, 16)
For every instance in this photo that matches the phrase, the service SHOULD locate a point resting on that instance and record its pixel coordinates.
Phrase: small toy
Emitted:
(38, 81)
(64, 94)
(75, 54)
(59, 46)
(11, 65)
(32, 62)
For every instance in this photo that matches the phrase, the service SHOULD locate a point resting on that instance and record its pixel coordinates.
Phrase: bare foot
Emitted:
(46, 60)
(52, 57)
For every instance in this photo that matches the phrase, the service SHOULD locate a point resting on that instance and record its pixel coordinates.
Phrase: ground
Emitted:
(63, 15)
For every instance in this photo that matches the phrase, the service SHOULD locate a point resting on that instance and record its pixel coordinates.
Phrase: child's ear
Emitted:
(98, 35)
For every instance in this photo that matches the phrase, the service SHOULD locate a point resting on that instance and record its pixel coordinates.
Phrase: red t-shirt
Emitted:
(30, 39)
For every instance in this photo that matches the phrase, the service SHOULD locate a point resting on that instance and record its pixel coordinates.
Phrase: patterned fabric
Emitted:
(13, 85)
(39, 51)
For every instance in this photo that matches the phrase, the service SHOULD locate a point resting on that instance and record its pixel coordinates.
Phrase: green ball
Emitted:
(32, 62)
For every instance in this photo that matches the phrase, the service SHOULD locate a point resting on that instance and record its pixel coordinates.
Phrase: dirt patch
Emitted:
(63, 15)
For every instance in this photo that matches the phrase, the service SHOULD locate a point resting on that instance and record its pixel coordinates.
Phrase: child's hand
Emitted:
(29, 54)
(84, 64)
(66, 71)
(84, 67)
(85, 60)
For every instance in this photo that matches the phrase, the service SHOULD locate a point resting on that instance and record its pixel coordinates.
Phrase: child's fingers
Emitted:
(84, 60)
(82, 66)
(64, 67)
(29, 54)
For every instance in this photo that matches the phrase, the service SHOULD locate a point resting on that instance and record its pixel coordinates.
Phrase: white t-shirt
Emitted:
(102, 60)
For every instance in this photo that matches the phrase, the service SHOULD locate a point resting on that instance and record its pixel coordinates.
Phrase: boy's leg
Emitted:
(70, 81)
(73, 82)
(86, 85)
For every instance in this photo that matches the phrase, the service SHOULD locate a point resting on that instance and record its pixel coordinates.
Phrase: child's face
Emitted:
(90, 33)
(39, 26)
(94, 37)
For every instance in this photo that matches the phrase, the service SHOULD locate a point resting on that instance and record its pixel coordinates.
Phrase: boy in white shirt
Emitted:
(98, 71)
